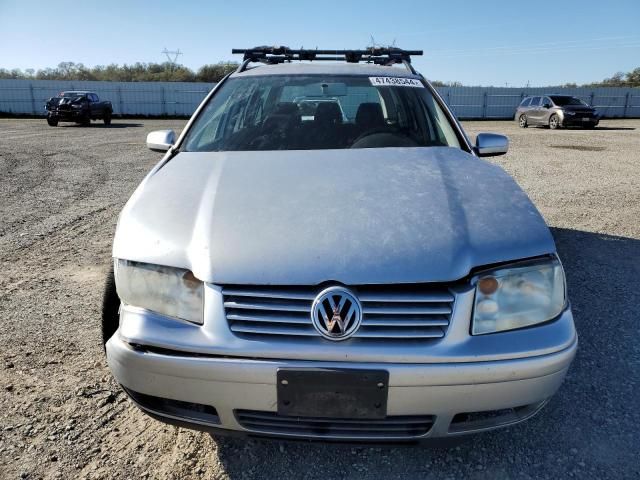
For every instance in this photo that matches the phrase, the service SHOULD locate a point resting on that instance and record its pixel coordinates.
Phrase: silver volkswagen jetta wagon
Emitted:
(323, 254)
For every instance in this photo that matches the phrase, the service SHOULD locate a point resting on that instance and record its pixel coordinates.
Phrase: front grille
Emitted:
(390, 428)
(583, 113)
(406, 312)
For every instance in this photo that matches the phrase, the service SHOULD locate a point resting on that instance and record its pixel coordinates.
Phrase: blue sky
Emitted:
(478, 43)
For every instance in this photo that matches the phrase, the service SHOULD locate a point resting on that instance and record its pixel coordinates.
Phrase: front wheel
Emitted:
(554, 122)
(53, 122)
(110, 307)
(522, 121)
(107, 118)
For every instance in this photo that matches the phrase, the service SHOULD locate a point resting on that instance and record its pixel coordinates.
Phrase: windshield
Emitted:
(562, 101)
(70, 94)
(298, 112)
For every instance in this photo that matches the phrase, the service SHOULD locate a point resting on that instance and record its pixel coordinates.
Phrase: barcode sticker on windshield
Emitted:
(395, 82)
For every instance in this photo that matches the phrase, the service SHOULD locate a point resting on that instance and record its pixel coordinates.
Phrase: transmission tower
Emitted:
(172, 56)
(375, 44)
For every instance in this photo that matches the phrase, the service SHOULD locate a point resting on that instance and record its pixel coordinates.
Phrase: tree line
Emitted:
(168, 72)
(137, 72)
(619, 79)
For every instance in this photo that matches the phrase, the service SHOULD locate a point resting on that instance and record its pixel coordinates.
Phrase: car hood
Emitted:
(360, 216)
(62, 102)
(578, 108)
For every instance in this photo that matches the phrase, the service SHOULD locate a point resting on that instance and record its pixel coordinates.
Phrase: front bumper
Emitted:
(216, 392)
(67, 114)
(579, 120)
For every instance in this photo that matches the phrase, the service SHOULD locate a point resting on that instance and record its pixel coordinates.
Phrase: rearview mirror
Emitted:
(324, 89)
(491, 144)
(161, 140)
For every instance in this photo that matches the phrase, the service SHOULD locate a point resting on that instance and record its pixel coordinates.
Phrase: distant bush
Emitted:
(439, 83)
(138, 72)
(621, 79)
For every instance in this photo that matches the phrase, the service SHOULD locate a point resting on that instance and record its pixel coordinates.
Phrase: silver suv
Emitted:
(356, 272)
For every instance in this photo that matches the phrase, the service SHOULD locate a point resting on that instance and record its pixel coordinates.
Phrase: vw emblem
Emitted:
(336, 313)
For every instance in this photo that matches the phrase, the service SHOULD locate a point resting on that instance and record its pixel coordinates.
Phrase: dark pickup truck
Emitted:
(79, 107)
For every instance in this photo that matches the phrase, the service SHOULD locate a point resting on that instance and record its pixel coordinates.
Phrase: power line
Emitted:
(172, 56)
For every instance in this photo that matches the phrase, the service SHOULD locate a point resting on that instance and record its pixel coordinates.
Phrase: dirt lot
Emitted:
(62, 415)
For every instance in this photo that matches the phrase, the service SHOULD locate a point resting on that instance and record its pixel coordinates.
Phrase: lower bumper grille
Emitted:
(187, 411)
(390, 428)
(580, 119)
(478, 421)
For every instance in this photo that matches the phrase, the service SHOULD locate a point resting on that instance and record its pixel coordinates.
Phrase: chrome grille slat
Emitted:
(302, 320)
(394, 312)
(393, 322)
(280, 307)
(407, 297)
(406, 310)
(274, 330)
(270, 293)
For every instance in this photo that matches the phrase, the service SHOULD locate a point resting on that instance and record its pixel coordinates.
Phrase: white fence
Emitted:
(182, 98)
(491, 102)
(128, 98)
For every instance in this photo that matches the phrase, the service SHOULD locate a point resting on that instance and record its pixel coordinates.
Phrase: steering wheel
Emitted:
(383, 137)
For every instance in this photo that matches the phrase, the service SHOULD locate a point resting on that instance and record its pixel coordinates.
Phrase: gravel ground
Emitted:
(62, 415)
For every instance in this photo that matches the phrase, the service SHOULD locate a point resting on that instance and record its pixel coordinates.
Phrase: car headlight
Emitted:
(169, 291)
(518, 296)
(569, 112)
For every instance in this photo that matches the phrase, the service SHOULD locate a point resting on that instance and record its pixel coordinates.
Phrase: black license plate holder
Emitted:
(333, 393)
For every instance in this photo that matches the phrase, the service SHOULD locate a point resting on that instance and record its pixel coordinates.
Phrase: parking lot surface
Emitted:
(63, 416)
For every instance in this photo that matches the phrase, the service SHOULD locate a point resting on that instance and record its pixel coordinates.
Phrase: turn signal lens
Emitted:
(488, 285)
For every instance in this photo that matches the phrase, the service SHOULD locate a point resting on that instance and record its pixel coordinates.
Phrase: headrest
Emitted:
(284, 115)
(285, 108)
(369, 115)
(328, 112)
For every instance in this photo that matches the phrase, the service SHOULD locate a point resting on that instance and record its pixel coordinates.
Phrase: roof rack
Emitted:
(376, 55)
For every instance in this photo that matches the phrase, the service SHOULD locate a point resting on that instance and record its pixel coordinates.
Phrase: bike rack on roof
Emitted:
(376, 55)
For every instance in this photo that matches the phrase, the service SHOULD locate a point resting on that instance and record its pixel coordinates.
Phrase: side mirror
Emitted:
(161, 140)
(491, 144)
(546, 105)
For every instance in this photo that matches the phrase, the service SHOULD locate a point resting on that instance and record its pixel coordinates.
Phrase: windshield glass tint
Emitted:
(562, 101)
(312, 112)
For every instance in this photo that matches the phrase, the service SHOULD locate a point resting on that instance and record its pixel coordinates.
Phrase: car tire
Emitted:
(554, 122)
(522, 121)
(53, 122)
(107, 118)
(110, 308)
(86, 121)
